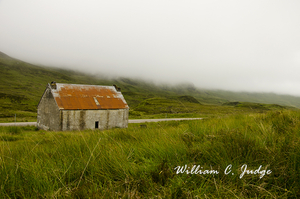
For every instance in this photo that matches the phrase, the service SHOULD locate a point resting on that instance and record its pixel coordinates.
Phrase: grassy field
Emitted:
(140, 161)
(260, 131)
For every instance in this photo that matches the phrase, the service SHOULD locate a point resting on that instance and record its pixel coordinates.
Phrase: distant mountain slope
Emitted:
(22, 85)
(267, 98)
(4, 56)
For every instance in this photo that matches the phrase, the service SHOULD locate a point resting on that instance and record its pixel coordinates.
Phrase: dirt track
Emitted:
(129, 121)
(19, 124)
(159, 120)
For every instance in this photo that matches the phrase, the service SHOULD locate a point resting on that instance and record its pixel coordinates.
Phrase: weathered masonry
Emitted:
(77, 107)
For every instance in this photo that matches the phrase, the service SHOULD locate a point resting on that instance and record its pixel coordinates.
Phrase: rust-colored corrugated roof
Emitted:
(76, 96)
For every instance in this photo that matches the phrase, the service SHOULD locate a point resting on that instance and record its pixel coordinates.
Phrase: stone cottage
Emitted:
(77, 107)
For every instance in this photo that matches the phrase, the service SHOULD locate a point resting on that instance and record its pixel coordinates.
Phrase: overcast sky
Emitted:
(239, 45)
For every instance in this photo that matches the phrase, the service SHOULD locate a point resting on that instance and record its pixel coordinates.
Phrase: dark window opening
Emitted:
(96, 125)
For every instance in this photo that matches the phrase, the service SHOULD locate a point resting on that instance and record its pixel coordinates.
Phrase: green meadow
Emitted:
(246, 145)
(140, 161)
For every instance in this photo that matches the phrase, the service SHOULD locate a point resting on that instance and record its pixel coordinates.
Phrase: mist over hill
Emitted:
(22, 85)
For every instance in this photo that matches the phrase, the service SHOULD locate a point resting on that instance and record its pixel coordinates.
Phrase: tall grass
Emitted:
(139, 162)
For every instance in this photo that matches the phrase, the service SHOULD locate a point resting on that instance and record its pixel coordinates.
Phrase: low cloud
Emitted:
(232, 45)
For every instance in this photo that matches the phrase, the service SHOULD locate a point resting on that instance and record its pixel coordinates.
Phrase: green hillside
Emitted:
(22, 85)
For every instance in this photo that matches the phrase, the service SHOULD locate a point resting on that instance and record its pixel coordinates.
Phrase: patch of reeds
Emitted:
(139, 162)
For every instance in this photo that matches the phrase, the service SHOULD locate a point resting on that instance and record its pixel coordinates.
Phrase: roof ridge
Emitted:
(85, 84)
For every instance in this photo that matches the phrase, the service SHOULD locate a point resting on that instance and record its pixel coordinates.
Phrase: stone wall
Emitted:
(86, 119)
(48, 114)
